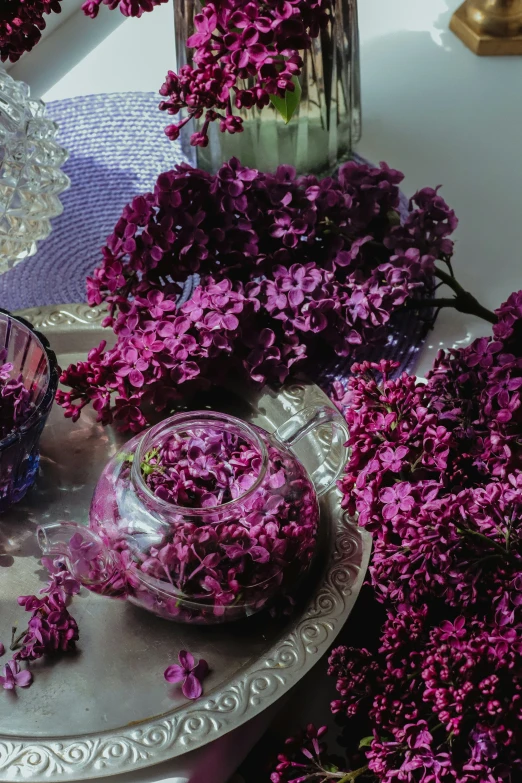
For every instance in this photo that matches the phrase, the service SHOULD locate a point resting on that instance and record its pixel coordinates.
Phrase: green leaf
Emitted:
(286, 106)
(366, 742)
(394, 219)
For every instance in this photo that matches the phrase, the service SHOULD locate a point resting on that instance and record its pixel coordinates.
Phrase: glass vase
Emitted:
(32, 358)
(327, 122)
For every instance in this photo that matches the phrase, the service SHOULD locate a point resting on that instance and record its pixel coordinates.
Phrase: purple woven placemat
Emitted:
(117, 148)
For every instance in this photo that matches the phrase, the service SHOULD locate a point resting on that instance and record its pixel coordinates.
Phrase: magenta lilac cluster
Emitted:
(203, 468)
(15, 399)
(292, 272)
(21, 25)
(244, 53)
(51, 629)
(435, 473)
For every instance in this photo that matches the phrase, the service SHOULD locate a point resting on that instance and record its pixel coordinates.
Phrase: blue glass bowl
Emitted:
(31, 356)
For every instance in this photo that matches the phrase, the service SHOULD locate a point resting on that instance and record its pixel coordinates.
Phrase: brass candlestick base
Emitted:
(489, 27)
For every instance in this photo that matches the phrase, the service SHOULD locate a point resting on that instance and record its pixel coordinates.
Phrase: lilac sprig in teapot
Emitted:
(204, 518)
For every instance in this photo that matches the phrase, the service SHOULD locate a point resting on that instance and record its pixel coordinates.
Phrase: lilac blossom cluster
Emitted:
(435, 473)
(244, 53)
(50, 630)
(21, 23)
(127, 7)
(292, 272)
(203, 468)
(15, 399)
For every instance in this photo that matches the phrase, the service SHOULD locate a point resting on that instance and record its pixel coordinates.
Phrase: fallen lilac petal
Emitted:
(7, 680)
(174, 673)
(201, 669)
(192, 688)
(24, 678)
(186, 660)
(13, 677)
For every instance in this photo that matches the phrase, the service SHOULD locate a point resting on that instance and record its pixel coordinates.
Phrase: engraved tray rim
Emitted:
(255, 688)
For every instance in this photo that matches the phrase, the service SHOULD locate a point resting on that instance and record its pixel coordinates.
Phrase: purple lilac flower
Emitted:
(279, 291)
(51, 628)
(189, 673)
(13, 677)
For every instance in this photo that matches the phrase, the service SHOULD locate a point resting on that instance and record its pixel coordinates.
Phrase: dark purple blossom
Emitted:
(305, 759)
(21, 25)
(357, 674)
(280, 291)
(127, 7)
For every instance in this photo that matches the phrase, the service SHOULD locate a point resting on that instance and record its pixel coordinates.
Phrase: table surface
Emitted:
(430, 108)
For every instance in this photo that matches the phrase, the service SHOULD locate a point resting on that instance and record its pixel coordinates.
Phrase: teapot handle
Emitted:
(336, 455)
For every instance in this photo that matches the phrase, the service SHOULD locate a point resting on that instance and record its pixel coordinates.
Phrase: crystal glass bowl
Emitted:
(31, 357)
(30, 176)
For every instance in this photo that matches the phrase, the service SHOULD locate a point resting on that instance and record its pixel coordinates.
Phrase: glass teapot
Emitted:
(204, 518)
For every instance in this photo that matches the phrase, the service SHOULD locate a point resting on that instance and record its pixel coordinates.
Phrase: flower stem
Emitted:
(463, 301)
(15, 642)
(485, 539)
(354, 774)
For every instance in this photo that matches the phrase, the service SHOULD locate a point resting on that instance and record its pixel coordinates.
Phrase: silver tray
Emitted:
(107, 709)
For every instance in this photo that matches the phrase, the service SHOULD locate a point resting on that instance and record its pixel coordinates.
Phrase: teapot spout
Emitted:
(86, 556)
